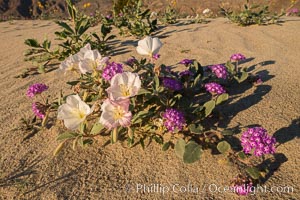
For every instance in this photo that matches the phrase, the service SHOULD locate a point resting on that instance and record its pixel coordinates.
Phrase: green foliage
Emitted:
(223, 147)
(189, 152)
(169, 16)
(252, 14)
(73, 36)
(130, 18)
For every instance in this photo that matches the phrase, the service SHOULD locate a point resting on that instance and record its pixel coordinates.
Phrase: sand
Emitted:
(29, 171)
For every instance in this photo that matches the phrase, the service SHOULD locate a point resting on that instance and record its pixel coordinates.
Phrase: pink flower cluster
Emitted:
(35, 89)
(237, 57)
(111, 70)
(257, 139)
(219, 70)
(214, 88)
(173, 119)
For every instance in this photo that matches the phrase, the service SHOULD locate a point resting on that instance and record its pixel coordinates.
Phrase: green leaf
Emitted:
(158, 139)
(242, 155)
(96, 128)
(32, 43)
(65, 26)
(227, 132)
(230, 66)
(156, 81)
(166, 146)
(87, 141)
(223, 147)
(66, 135)
(73, 83)
(209, 106)
(179, 148)
(253, 172)
(143, 91)
(198, 129)
(221, 98)
(192, 152)
(58, 148)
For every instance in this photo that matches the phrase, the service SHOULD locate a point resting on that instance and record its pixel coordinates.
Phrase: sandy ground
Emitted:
(29, 171)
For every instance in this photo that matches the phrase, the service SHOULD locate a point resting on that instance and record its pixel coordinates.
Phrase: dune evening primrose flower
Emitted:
(258, 140)
(73, 112)
(149, 46)
(39, 109)
(111, 70)
(219, 70)
(123, 86)
(115, 114)
(173, 119)
(69, 64)
(237, 57)
(91, 60)
(214, 88)
(186, 62)
(35, 89)
(172, 84)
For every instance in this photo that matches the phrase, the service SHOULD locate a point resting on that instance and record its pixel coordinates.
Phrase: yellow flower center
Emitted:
(125, 90)
(118, 113)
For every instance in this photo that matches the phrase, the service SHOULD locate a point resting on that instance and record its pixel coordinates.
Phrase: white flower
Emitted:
(148, 46)
(123, 86)
(90, 61)
(69, 64)
(115, 114)
(206, 11)
(83, 50)
(73, 112)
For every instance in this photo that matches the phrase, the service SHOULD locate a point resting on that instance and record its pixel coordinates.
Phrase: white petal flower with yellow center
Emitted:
(149, 46)
(73, 112)
(115, 114)
(123, 86)
(69, 64)
(92, 60)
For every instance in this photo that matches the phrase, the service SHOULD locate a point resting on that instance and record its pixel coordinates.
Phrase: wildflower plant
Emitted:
(252, 14)
(73, 37)
(139, 101)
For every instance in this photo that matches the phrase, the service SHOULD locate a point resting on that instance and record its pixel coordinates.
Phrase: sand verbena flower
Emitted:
(256, 139)
(173, 119)
(214, 88)
(35, 89)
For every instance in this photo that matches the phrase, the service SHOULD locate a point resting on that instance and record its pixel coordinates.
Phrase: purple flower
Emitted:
(172, 84)
(112, 69)
(214, 88)
(219, 70)
(258, 80)
(131, 61)
(258, 140)
(35, 89)
(173, 119)
(186, 62)
(39, 109)
(156, 56)
(293, 11)
(186, 73)
(237, 57)
(108, 17)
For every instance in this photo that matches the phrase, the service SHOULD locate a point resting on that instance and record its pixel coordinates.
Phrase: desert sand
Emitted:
(28, 169)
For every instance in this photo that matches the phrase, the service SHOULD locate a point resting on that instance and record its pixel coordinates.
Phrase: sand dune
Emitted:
(29, 171)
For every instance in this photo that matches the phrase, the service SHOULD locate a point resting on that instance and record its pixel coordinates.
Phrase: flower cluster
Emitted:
(186, 62)
(85, 61)
(214, 88)
(257, 139)
(237, 57)
(172, 84)
(219, 70)
(173, 119)
(39, 110)
(111, 70)
(35, 89)
(186, 73)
